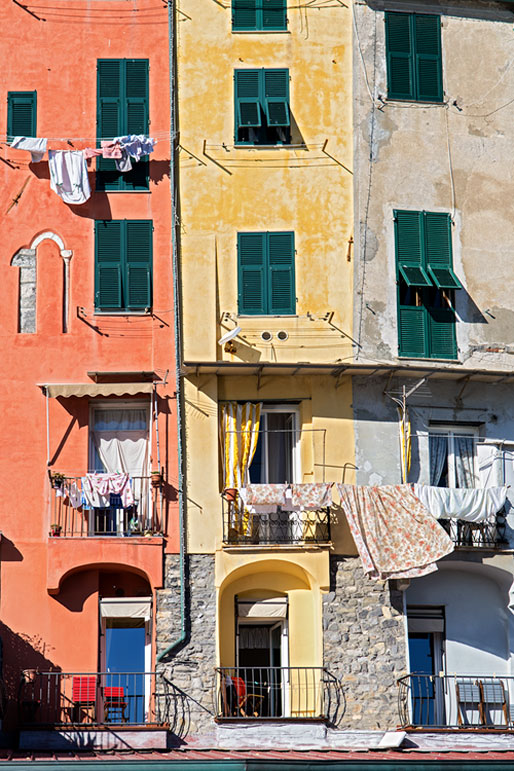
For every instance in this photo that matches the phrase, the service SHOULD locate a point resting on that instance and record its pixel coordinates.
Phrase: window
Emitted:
(123, 265)
(426, 284)
(261, 102)
(426, 659)
(413, 51)
(452, 453)
(122, 108)
(21, 114)
(266, 280)
(276, 455)
(257, 15)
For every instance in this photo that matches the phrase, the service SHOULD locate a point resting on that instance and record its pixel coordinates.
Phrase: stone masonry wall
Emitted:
(364, 644)
(190, 668)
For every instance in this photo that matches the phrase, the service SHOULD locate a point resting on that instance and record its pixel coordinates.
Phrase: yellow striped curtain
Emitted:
(239, 433)
(405, 444)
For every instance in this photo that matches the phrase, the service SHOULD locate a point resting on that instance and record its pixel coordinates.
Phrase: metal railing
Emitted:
(240, 527)
(69, 519)
(273, 693)
(456, 701)
(93, 698)
(471, 535)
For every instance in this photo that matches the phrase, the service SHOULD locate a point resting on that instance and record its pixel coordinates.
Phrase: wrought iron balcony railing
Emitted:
(72, 518)
(456, 701)
(275, 693)
(241, 527)
(93, 699)
(473, 535)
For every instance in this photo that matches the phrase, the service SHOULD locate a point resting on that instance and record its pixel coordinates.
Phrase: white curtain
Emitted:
(438, 450)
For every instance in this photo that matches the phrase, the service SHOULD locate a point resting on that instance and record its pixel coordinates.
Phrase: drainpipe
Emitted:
(177, 328)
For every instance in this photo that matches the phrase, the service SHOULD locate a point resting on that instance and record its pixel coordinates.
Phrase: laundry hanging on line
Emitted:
(68, 175)
(35, 145)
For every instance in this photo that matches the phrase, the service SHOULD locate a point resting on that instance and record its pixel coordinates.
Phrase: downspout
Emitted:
(177, 328)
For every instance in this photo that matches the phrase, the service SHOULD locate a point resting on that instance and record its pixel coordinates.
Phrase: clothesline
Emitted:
(157, 135)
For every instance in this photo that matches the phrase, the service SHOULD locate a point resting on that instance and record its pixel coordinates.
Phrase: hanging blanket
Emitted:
(467, 503)
(312, 496)
(266, 495)
(97, 489)
(395, 535)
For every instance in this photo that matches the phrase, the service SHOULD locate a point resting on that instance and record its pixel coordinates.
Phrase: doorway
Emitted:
(262, 654)
(426, 653)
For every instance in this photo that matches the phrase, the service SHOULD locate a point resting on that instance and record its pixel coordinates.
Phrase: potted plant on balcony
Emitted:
(55, 530)
(57, 480)
(230, 494)
(156, 478)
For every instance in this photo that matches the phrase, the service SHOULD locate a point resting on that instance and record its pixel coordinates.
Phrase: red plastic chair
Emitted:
(114, 702)
(83, 694)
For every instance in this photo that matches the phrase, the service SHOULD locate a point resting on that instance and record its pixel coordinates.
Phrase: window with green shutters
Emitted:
(266, 278)
(122, 108)
(426, 284)
(261, 104)
(414, 59)
(21, 114)
(258, 15)
(123, 265)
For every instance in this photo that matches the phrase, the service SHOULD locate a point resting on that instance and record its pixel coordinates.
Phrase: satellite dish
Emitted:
(229, 335)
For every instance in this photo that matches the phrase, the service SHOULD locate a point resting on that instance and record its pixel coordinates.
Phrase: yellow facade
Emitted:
(306, 188)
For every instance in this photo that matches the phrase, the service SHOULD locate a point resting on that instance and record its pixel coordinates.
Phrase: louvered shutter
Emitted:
(251, 256)
(439, 250)
(276, 97)
(412, 332)
(247, 102)
(244, 14)
(399, 55)
(274, 14)
(428, 62)
(21, 114)
(442, 340)
(110, 117)
(281, 273)
(409, 248)
(108, 264)
(137, 118)
(138, 274)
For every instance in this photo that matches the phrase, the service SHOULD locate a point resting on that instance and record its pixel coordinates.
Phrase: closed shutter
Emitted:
(274, 14)
(244, 14)
(251, 255)
(109, 108)
(247, 101)
(439, 251)
(409, 247)
(442, 340)
(138, 275)
(428, 65)
(412, 332)
(281, 274)
(137, 118)
(399, 55)
(108, 264)
(276, 97)
(21, 114)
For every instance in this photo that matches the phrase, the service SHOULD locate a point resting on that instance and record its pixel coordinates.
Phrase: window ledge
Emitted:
(261, 32)
(242, 146)
(123, 192)
(122, 313)
(429, 359)
(391, 100)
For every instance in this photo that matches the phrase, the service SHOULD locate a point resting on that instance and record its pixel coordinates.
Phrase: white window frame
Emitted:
(114, 405)
(451, 431)
(296, 456)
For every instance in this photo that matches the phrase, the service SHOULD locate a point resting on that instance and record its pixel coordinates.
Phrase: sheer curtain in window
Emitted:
(438, 450)
(464, 461)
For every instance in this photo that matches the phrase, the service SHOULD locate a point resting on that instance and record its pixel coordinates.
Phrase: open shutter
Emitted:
(274, 14)
(108, 259)
(247, 102)
(251, 258)
(442, 339)
(21, 114)
(412, 332)
(439, 251)
(276, 97)
(281, 278)
(409, 248)
(244, 14)
(138, 277)
(429, 77)
(399, 54)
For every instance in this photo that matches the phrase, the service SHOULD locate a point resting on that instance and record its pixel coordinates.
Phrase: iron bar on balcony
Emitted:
(475, 535)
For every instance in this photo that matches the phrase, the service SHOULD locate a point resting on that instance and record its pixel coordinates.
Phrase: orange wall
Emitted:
(57, 57)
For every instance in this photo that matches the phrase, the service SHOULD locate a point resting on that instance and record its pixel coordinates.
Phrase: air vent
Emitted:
(282, 335)
(266, 336)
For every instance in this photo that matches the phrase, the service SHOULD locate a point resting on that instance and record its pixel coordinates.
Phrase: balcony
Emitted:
(277, 693)
(87, 700)
(475, 702)
(71, 518)
(280, 527)
(477, 535)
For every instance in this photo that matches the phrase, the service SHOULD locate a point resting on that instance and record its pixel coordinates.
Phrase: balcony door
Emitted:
(426, 648)
(262, 650)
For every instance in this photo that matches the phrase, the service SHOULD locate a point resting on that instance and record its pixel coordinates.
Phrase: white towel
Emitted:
(37, 147)
(68, 175)
(469, 504)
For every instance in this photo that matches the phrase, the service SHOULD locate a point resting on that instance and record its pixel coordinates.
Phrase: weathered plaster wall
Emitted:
(448, 158)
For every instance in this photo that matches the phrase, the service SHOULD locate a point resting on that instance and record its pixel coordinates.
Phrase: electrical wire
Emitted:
(450, 165)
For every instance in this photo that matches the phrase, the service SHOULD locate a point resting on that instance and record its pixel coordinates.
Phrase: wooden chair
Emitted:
(493, 697)
(469, 697)
(115, 703)
(83, 695)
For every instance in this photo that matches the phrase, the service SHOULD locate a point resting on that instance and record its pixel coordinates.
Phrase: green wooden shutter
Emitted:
(21, 114)
(408, 228)
(442, 340)
(281, 273)
(138, 266)
(439, 250)
(274, 14)
(244, 14)
(412, 331)
(110, 117)
(108, 262)
(247, 101)
(428, 61)
(399, 56)
(251, 259)
(276, 97)
(137, 118)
